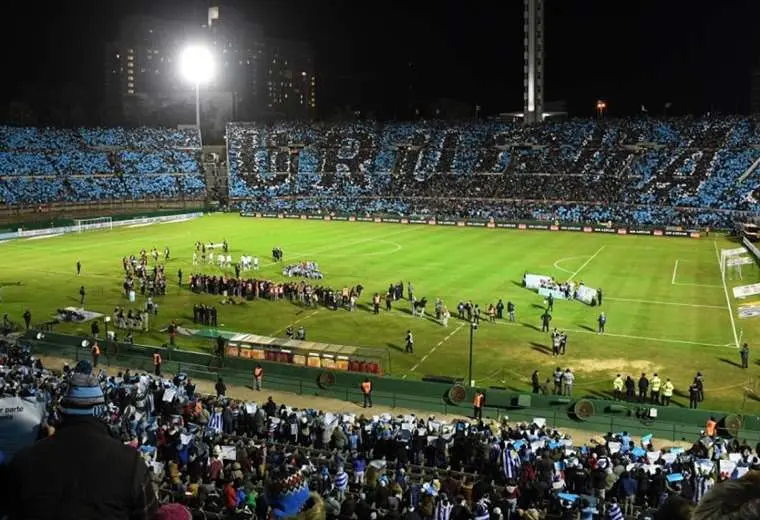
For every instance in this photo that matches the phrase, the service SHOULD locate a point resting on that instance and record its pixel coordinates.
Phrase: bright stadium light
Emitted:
(196, 64)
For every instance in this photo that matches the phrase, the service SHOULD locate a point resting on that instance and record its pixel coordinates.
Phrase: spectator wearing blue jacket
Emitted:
(628, 489)
(360, 466)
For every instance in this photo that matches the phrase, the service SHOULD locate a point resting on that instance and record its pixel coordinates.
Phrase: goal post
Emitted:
(731, 262)
(93, 223)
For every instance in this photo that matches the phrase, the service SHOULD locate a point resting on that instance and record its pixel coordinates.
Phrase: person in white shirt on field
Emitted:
(568, 378)
(228, 261)
(195, 259)
(255, 263)
(211, 257)
(445, 315)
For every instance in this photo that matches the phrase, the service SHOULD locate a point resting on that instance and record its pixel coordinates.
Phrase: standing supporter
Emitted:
(95, 351)
(87, 473)
(157, 362)
(258, 377)
(366, 387)
(478, 402)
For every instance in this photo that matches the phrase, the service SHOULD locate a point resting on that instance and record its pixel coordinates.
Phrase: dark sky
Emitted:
(696, 54)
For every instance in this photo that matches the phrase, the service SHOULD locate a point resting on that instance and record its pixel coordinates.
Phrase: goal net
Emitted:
(731, 262)
(93, 223)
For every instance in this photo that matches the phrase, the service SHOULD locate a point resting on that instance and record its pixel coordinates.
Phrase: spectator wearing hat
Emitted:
(87, 473)
(173, 511)
(287, 492)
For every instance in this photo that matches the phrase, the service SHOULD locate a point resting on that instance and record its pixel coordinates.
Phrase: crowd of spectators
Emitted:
(43, 165)
(679, 171)
(644, 171)
(245, 459)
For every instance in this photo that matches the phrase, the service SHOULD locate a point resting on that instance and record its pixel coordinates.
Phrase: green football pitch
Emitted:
(668, 310)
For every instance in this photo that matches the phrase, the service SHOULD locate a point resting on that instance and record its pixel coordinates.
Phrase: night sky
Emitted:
(696, 54)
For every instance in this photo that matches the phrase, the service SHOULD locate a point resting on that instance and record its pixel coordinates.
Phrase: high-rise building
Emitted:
(261, 76)
(290, 79)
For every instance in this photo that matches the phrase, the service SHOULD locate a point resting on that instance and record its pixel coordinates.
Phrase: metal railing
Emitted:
(555, 417)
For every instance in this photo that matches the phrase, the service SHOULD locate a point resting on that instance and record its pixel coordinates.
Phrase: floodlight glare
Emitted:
(197, 64)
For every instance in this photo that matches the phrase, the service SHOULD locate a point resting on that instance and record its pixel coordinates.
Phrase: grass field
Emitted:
(667, 308)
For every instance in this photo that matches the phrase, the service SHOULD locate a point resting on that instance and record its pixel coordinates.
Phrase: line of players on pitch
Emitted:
(247, 263)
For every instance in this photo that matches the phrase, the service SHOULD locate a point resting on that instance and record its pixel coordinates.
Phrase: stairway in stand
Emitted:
(214, 162)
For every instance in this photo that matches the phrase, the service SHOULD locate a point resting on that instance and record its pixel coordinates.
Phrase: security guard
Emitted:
(477, 404)
(258, 376)
(95, 354)
(157, 362)
(655, 383)
(667, 392)
(617, 386)
(367, 392)
(711, 427)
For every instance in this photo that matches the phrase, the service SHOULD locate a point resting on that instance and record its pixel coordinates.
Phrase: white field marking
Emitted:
(685, 284)
(608, 334)
(556, 264)
(444, 340)
(275, 333)
(397, 247)
(581, 268)
(645, 338)
(676, 304)
(178, 220)
(44, 236)
(143, 224)
(728, 299)
(355, 242)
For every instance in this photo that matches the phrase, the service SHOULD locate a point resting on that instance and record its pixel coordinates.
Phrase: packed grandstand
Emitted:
(44, 165)
(678, 171)
(226, 456)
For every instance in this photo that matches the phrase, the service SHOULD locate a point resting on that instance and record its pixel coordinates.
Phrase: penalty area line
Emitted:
(676, 304)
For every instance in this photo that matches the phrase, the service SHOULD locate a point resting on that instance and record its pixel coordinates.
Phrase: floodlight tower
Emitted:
(197, 66)
(533, 69)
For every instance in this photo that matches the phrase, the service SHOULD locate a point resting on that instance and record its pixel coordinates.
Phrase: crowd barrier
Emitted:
(674, 231)
(671, 423)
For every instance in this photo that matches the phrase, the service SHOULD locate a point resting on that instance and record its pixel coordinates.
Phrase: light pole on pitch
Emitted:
(473, 328)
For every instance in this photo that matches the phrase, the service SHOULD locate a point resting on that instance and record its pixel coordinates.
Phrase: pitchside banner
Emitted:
(669, 232)
(20, 421)
(745, 291)
(534, 281)
(750, 310)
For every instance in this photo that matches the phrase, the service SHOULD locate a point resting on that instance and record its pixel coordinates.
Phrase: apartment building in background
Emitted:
(256, 76)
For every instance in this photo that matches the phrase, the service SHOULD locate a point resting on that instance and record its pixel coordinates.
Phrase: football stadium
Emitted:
(534, 315)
